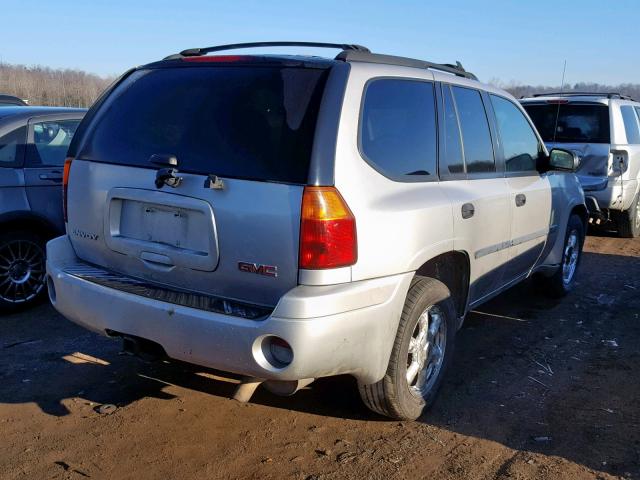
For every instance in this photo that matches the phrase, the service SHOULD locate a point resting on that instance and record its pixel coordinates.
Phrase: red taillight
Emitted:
(327, 230)
(65, 184)
(219, 58)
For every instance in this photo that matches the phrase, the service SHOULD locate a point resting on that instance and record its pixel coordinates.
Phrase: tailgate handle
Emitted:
(156, 258)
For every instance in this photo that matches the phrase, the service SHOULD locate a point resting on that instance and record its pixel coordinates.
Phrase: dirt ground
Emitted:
(538, 389)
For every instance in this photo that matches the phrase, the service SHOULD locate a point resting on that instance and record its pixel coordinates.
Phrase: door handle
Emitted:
(521, 199)
(50, 178)
(468, 210)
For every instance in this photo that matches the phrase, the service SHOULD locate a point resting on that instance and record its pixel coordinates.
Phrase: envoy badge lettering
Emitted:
(82, 234)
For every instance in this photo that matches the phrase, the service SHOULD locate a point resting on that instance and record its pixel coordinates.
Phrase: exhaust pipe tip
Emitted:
(286, 388)
(130, 346)
(142, 348)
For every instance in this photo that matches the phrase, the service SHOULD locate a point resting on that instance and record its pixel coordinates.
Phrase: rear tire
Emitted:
(22, 270)
(629, 220)
(421, 353)
(563, 281)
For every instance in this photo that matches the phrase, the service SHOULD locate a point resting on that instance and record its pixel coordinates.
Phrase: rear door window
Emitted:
(51, 140)
(520, 144)
(476, 136)
(451, 156)
(251, 122)
(630, 124)
(398, 128)
(12, 147)
(573, 122)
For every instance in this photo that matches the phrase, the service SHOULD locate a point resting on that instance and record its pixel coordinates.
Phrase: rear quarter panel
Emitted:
(400, 225)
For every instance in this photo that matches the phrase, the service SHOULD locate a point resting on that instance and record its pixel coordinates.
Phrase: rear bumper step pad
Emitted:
(200, 301)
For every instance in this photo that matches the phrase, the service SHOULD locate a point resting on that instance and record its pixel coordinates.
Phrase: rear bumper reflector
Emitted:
(145, 289)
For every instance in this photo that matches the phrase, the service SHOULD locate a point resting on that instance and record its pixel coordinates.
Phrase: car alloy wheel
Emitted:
(426, 351)
(22, 271)
(571, 256)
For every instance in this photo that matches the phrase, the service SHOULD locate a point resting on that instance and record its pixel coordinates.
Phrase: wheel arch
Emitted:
(582, 211)
(453, 269)
(27, 220)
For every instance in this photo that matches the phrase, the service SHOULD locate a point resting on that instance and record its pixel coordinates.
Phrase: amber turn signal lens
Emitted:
(327, 230)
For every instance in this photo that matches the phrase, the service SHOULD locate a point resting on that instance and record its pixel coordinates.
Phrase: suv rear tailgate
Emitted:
(252, 126)
(253, 222)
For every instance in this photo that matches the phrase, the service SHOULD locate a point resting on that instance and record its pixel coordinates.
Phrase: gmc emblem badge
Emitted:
(266, 270)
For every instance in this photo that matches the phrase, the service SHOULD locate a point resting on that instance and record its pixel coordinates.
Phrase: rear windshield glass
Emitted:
(255, 123)
(576, 123)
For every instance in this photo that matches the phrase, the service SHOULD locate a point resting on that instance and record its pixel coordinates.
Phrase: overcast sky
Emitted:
(521, 41)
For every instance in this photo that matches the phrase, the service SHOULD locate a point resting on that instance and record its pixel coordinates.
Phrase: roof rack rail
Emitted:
(583, 94)
(350, 53)
(195, 52)
(360, 56)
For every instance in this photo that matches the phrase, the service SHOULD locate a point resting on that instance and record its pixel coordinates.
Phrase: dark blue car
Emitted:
(33, 146)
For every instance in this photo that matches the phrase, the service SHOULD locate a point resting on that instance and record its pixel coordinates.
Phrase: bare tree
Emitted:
(521, 90)
(75, 88)
(46, 86)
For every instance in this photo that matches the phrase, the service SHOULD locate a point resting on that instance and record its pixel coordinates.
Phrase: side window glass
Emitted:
(50, 142)
(519, 143)
(398, 128)
(11, 147)
(630, 124)
(476, 137)
(451, 159)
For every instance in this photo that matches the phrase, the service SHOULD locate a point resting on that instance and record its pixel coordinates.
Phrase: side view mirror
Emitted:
(563, 160)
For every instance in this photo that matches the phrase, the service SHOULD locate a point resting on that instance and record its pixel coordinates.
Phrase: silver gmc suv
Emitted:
(287, 218)
(603, 129)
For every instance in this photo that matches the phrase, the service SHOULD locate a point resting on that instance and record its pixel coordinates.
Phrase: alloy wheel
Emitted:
(570, 260)
(22, 271)
(426, 351)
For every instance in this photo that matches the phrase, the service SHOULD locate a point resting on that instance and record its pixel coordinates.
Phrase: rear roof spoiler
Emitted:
(349, 53)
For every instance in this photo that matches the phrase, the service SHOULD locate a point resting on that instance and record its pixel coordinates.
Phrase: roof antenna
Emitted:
(555, 128)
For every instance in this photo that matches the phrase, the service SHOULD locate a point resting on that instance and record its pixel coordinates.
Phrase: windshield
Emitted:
(252, 122)
(576, 123)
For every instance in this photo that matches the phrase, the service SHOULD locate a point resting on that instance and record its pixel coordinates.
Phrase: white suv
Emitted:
(292, 217)
(603, 129)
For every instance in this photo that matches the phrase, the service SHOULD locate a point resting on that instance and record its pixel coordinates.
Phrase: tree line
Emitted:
(40, 85)
(520, 90)
(50, 86)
